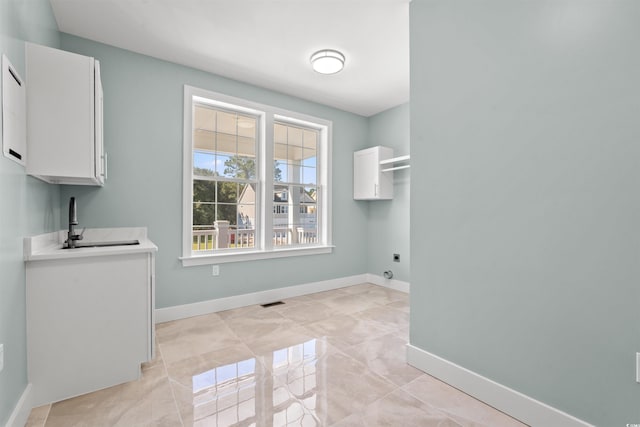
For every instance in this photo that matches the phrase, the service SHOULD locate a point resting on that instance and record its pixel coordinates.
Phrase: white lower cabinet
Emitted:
(89, 322)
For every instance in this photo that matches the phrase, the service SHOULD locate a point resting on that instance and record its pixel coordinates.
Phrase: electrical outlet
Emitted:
(638, 367)
(1, 357)
(215, 270)
(396, 257)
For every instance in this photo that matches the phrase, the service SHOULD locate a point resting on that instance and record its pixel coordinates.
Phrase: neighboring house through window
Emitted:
(256, 181)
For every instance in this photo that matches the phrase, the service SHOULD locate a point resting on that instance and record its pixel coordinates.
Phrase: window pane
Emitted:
(203, 214)
(226, 212)
(238, 167)
(226, 144)
(204, 124)
(247, 126)
(204, 191)
(222, 166)
(294, 155)
(307, 229)
(294, 148)
(226, 123)
(295, 215)
(247, 193)
(312, 193)
(246, 216)
(308, 176)
(204, 140)
(204, 118)
(279, 133)
(309, 157)
(310, 139)
(244, 235)
(246, 167)
(247, 146)
(280, 171)
(294, 136)
(280, 152)
(307, 233)
(203, 163)
(227, 192)
(294, 173)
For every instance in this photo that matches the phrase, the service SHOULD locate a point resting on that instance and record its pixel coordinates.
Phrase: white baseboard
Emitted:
(211, 306)
(21, 412)
(509, 401)
(397, 285)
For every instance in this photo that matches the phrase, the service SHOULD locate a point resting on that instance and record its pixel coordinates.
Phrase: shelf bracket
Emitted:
(400, 159)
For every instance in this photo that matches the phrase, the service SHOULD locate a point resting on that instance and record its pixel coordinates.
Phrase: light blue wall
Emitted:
(388, 220)
(27, 206)
(143, 136)
(525, 261)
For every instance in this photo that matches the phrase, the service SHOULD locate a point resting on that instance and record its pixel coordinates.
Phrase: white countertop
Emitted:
(48, 246)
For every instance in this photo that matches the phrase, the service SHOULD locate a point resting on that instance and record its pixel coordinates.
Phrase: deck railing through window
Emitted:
(206, 238)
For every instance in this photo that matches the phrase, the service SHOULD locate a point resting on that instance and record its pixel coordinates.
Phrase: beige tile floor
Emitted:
(333, 358)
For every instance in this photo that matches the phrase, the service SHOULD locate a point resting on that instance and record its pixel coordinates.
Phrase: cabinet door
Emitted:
(100, 157)
(88, 323)
(365, 174)
(64, 116)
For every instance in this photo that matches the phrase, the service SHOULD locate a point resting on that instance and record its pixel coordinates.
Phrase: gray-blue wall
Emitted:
(143, 136)
(27, 206)
(525, 261)
(388, 220)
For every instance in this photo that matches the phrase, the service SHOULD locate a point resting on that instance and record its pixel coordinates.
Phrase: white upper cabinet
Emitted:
(369, 182)
(64, 117)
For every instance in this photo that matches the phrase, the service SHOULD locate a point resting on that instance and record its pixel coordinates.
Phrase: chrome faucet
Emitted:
(72, 237)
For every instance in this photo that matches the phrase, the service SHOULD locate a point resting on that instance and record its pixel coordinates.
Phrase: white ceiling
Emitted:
(264, 42)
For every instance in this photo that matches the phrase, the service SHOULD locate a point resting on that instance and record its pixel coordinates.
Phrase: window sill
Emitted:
(207, 259)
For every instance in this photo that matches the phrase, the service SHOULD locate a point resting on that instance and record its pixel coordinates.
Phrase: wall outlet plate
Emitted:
(396, 257)
(638, 367)
(1, 357)
(215, 270)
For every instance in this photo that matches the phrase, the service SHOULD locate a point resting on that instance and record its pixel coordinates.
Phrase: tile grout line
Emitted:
(173, 394)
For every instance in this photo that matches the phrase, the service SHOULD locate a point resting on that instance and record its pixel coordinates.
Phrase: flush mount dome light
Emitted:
(327, 61)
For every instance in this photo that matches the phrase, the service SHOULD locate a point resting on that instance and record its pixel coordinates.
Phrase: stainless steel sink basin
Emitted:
(80, 245)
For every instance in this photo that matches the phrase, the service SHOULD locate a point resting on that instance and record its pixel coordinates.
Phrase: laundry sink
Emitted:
(80, 245)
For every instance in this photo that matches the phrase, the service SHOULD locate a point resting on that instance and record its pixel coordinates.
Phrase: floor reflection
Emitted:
(221, 370)
(226, 395)
(279, 388)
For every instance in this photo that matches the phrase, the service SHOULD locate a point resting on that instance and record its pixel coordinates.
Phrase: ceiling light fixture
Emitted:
(327, 61)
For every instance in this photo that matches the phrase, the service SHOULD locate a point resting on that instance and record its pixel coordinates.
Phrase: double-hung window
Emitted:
(256, 181)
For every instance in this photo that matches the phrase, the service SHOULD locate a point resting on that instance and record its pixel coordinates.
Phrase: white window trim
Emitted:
(267, 116)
